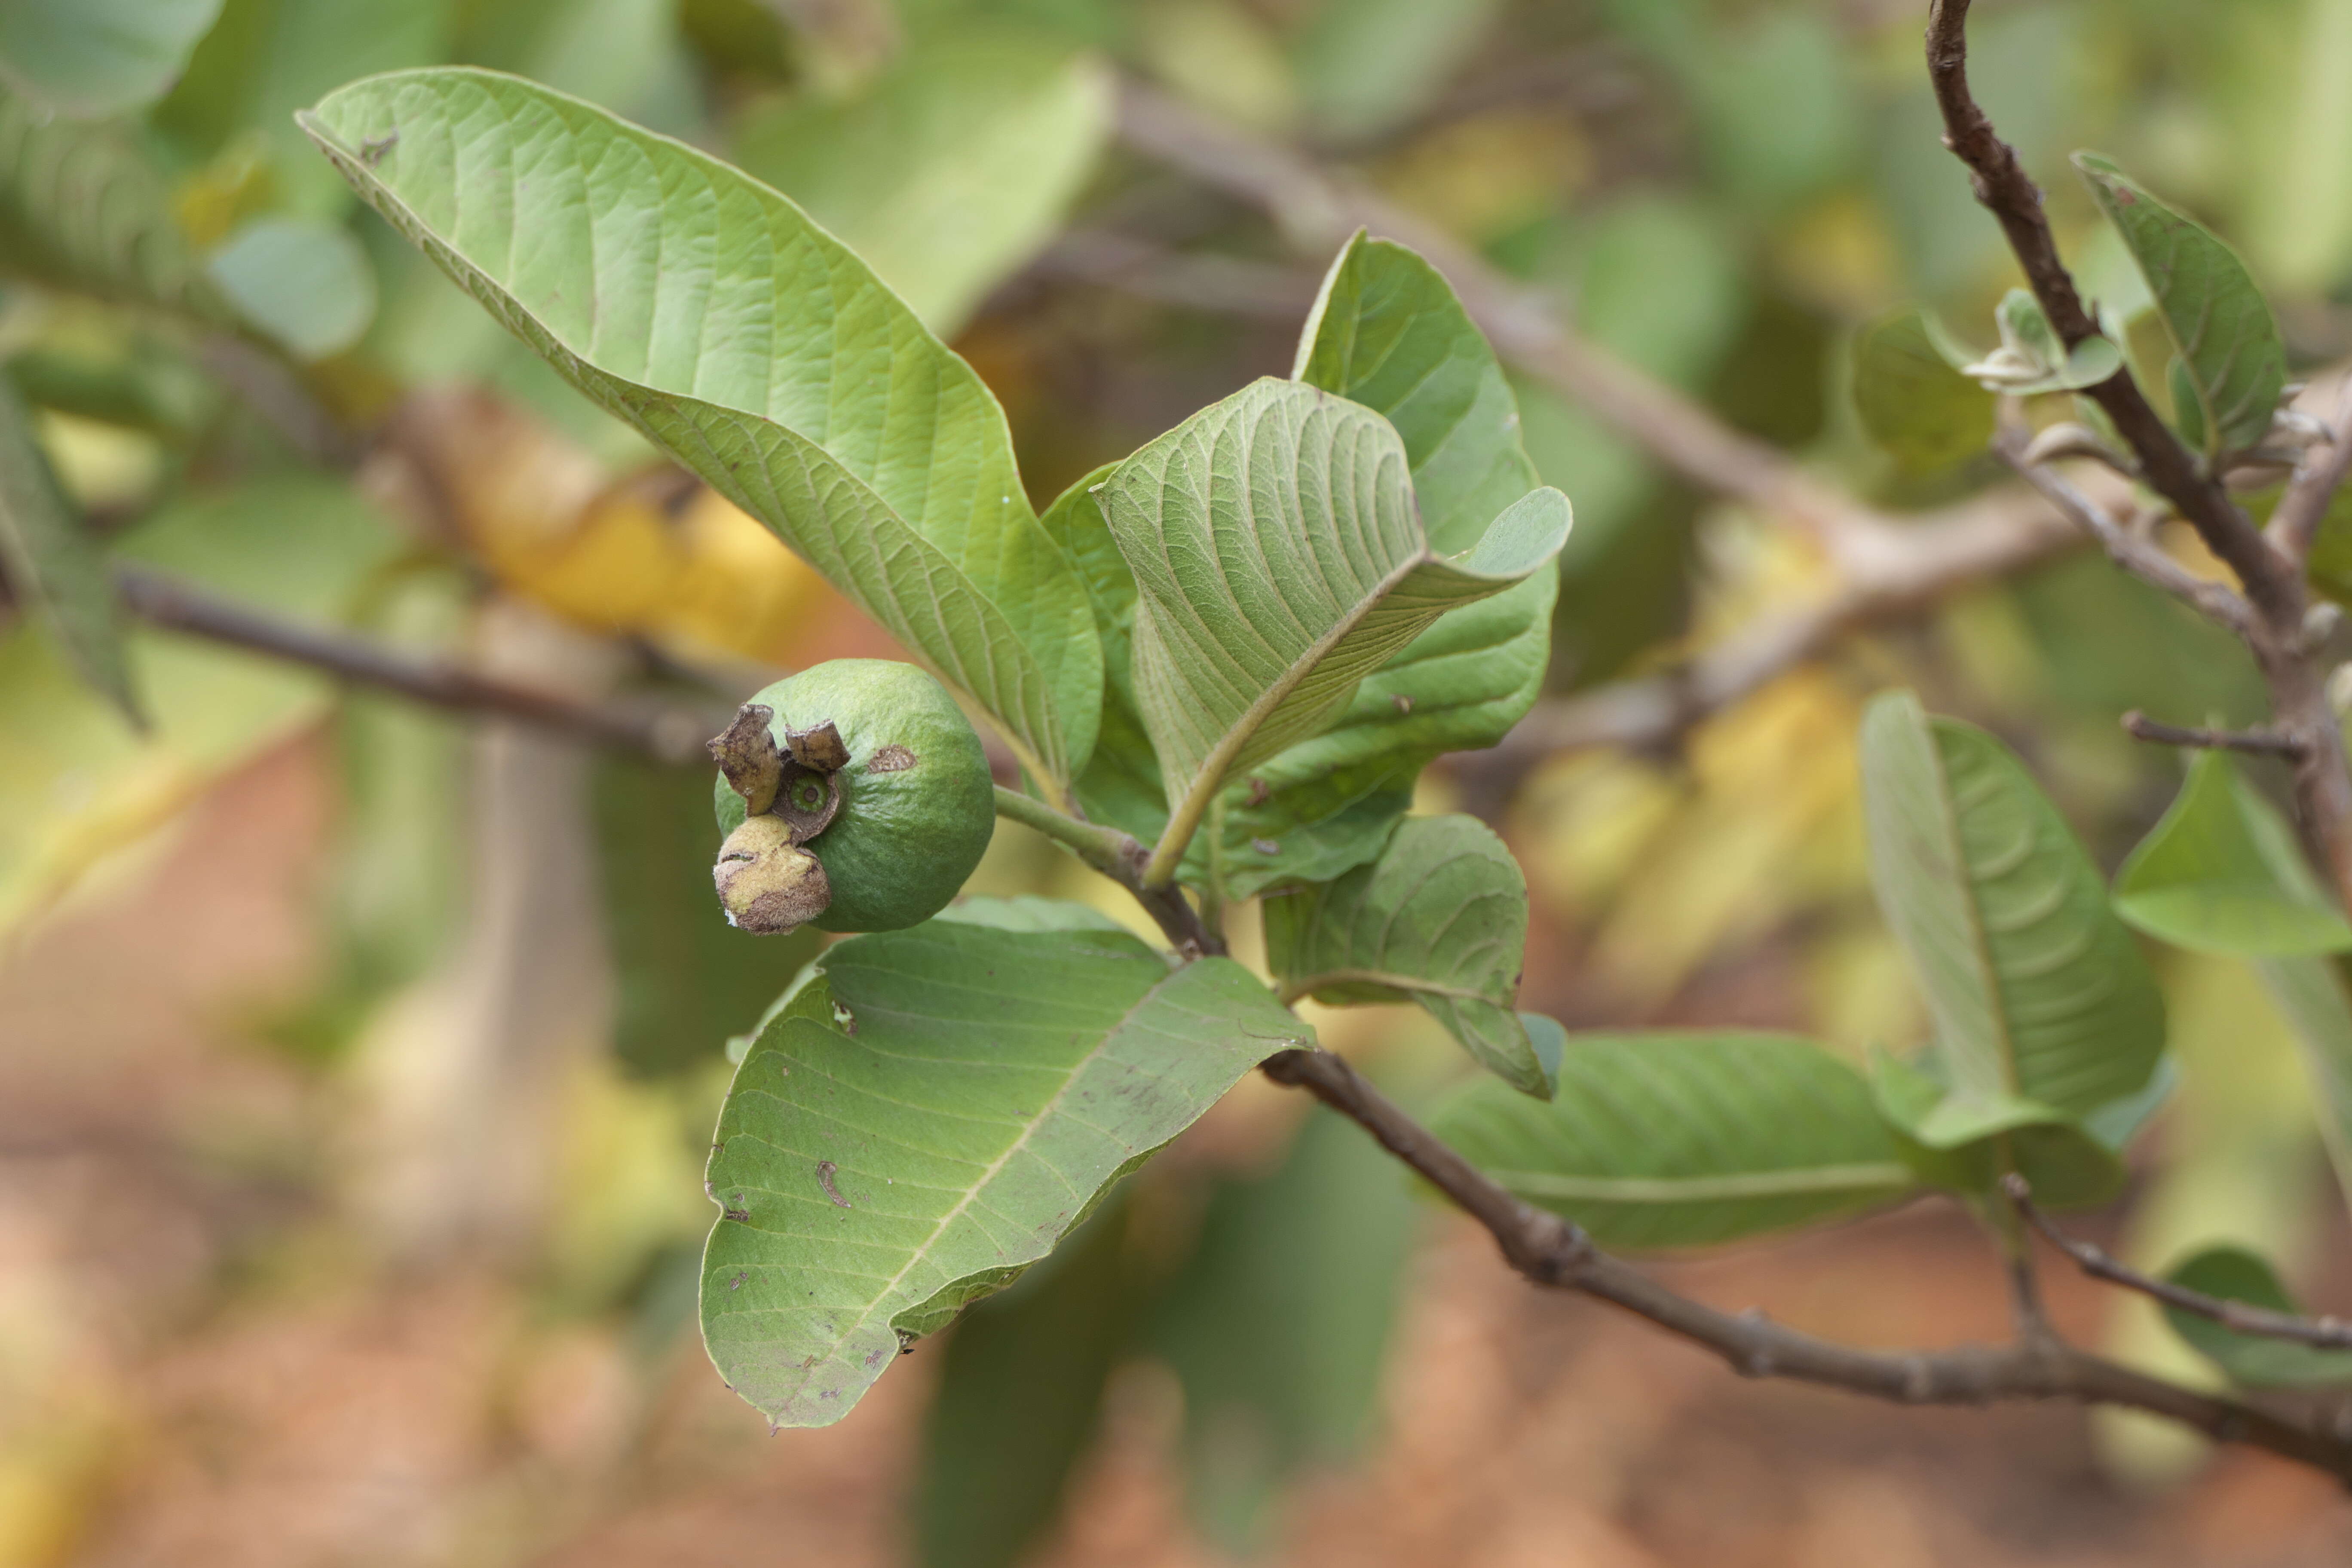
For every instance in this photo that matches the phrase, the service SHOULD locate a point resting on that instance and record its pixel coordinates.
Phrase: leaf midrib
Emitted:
(1873, 1175)
(1980, 937)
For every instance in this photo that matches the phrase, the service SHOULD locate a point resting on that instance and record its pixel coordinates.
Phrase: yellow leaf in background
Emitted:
(653, 554)
(741, 591)
(1486, 174)
(1764, 825)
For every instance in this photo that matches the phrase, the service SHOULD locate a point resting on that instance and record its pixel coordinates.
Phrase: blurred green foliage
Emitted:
(1726, 193)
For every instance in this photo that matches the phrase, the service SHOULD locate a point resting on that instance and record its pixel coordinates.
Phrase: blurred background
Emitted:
(358, 1055)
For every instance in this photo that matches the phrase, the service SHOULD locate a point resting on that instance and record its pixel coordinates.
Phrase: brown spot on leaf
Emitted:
(1403, 704)
(891, 760)
(741, 1217)
(1258, 792)
(824, 1170)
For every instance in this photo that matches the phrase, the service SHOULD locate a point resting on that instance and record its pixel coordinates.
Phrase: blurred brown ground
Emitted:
(201, 1365)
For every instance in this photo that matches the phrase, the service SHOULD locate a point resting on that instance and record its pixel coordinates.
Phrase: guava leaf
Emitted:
(54, 565)
(1026, 912)
(2229, 348)
(1020, 1399)
(872, 1183)
(1278, 1324)
(1684, 1140)
(1964, 1141)
(2037, 991)
(2220, 873)
(81, 210)
(949, 172)
(2314, 996)
(1279, 561)
(1441, 917)
(706, 309)
(304, 282)
(1387, 333)
(87, 58)
(1913, 403)
(2257, 1361)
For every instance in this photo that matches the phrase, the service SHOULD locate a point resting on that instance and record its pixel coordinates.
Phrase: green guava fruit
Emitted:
(917, 806)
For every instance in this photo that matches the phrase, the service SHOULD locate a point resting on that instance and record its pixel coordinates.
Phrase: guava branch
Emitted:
(667, 735)
(2270, 575)
(2240, 1316)
(1549, 1251)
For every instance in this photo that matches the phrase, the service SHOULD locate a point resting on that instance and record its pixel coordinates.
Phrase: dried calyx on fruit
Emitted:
(767, 882)
(869, 819)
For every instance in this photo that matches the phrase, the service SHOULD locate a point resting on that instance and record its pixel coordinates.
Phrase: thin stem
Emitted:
(2241, 1316)
(665, 734)
(2256, 742)
(1549, 1251)
(1119, 857)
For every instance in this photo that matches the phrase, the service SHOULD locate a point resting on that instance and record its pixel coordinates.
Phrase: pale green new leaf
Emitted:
(979, 1090)
(949, 172)
(2257, 1361)
(81, 210)
(2220, 873)
(710, 312)
(1964, 1141)
(52, 564)
(1279, 561)
(1684, 1140)
(2037, 991)
(1441, 917)
(2233, 360)
(1917, 408)
(93, 58)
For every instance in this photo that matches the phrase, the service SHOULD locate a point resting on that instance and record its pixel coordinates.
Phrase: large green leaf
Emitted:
(1684, 1140)
(1913, 403)
(2037, 991)
(978, 1090)
(2229, 347)
(1020, 1397)
(81, 209)
(92, 58)
(949, 172)
(710, 312)
(52, 564)
(1387, 333)
(1278, 1325)
(2220, 873)
(1441, 917)
(2258, 1361)
(1279, 561)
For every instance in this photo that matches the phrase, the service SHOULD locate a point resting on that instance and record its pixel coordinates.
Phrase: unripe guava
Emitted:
(917, 806)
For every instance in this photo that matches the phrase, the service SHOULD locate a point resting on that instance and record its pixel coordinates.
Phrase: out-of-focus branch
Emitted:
(1549, 1251)
(667, 735)
(1985, 539)
(2270, 577)
(1319, 208)
(1192, 279)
